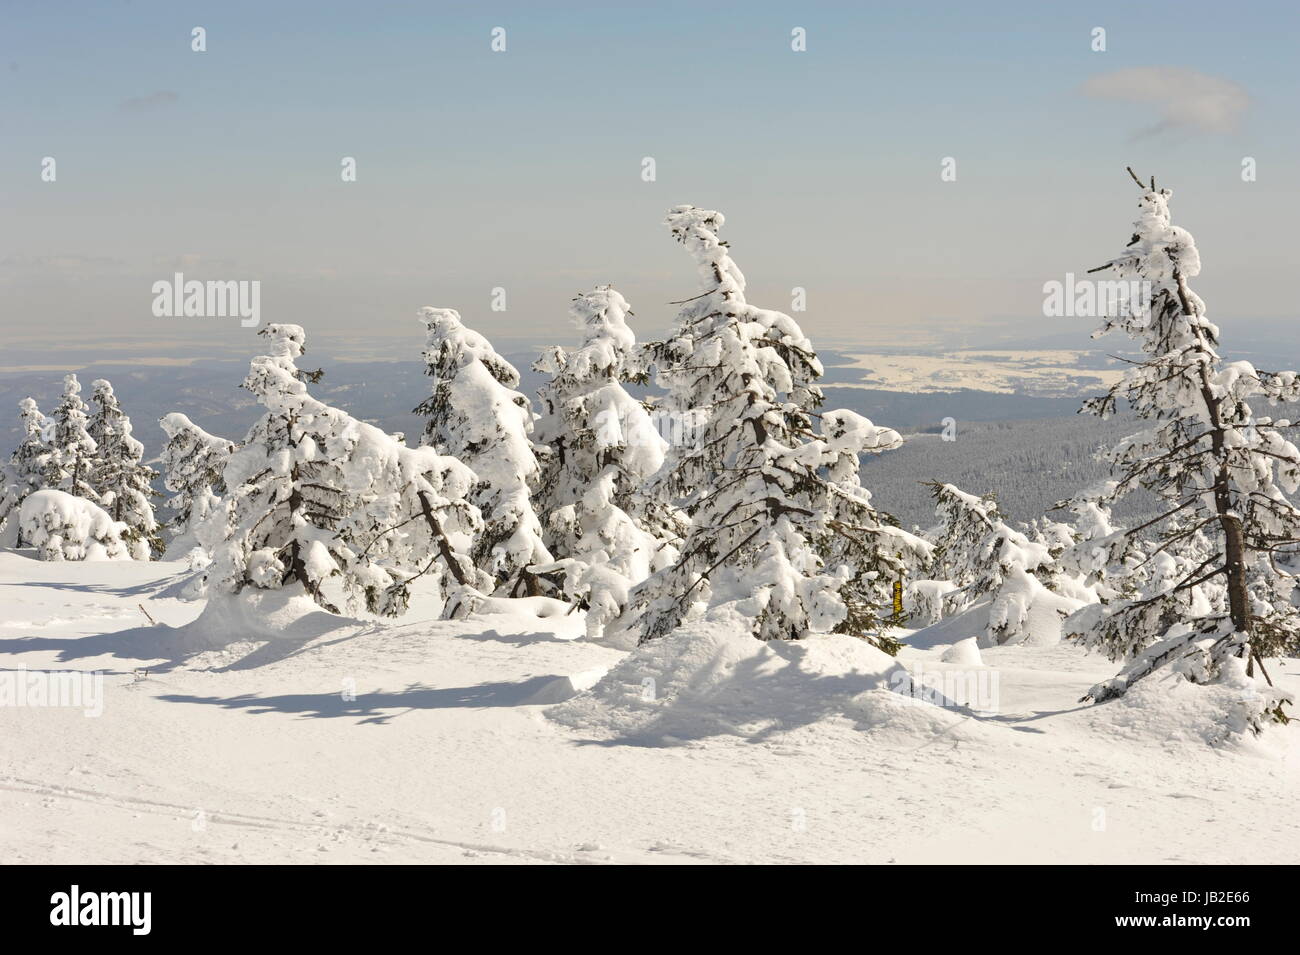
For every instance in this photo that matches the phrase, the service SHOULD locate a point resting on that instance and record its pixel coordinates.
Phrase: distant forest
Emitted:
(1028, 465)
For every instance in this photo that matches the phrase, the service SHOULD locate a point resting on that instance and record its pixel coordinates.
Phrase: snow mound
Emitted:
(1030, 611)
(1039, 625)
(714, 678)
(540, 607)
(964, 652)
(564, 688)
(969, 624)
(1167, 708)
(284, 614)
(250, 619)
(889, 715)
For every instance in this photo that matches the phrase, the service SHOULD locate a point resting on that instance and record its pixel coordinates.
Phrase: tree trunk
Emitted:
(1234, 545)
(444, 549)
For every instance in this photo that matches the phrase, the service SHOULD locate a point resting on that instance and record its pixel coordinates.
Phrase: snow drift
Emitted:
(713, 678)
(236, 625)
(1040, 618)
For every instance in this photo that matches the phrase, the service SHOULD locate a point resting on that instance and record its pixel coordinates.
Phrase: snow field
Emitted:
(453, 749)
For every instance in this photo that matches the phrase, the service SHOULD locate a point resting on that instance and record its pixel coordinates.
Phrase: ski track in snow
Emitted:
(441, 759)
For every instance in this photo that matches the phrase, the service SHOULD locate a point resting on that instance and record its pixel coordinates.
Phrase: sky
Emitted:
(522, 170)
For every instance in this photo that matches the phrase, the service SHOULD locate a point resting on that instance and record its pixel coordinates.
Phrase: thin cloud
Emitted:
(1184, 98)
(140, 104)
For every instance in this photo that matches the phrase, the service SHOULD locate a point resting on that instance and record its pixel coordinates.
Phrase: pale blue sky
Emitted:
(522, 169)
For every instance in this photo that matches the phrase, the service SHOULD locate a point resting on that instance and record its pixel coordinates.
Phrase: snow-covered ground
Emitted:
(251, 753)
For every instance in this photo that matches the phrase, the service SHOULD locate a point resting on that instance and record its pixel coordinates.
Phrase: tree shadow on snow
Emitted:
(163, 587)
(518, 639)
(151, 646)
(1014, 722)
(162, 648)
(378, 707)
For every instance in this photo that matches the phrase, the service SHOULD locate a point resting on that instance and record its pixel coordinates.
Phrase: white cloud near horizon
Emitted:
(1185, 98)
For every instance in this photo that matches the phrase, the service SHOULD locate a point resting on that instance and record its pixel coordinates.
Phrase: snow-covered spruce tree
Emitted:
(780, 527)
(1221, 594)
(601, 448)
(1027, 591)
(476, 416)
(121, 479)
(25, 471)
(314, 496)
(72, 450)
(193, 464)
(966, 523)
(283, 509)
(417, 520)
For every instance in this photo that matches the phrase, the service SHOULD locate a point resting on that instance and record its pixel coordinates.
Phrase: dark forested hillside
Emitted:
(1028, 465)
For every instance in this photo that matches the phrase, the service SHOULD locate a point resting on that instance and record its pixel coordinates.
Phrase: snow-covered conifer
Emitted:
(25, 471)
(966, 523)
(1221, 565)
(476, 415)
(193, 464)
(780, 527)
(601, 449)
(1019, 575)
(121, 480)
(72, 450)
(316, 498)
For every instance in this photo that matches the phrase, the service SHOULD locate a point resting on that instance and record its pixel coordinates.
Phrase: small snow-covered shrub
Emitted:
(63, 527)
(926, 598)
